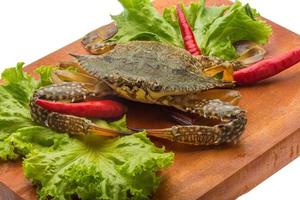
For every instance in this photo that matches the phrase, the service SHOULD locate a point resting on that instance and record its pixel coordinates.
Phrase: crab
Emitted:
(153, 73)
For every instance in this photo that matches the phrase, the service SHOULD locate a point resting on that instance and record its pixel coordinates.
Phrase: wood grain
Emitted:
(271, 139)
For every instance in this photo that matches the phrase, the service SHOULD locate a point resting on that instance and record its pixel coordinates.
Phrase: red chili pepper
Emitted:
(105, 109)
(188, 37)
(267, 68)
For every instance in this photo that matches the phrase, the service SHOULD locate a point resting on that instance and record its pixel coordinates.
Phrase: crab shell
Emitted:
(146, 71)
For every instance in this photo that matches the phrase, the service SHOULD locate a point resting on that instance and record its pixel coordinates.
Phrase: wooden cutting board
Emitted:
(271, 139)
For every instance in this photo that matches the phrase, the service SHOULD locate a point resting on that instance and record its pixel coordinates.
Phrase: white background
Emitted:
(30, 29)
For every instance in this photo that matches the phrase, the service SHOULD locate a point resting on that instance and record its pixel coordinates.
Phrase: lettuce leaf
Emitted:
(120, 168)
(216, 28)
(14, 110)
(205, 17)
(45, 74)
(63, 167)
(20, 85)
(32, 138)
(141, 21)
(238, 23)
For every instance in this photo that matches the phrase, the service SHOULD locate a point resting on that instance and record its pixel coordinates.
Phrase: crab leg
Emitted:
(225, 95)
(233, 121)
(66, 123)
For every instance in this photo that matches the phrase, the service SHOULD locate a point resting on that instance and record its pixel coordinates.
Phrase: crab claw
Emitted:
(249, 52)
(62, 122)
(95, 41)
(232, 124)
(78, 126)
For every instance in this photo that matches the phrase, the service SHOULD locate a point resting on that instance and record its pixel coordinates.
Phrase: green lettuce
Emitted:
(63, 167)
(141, 21)
(45, 75)
(14, 110)
(236, 24)
(198, 16)
(216, 28)
(93, 168)
(20, 85)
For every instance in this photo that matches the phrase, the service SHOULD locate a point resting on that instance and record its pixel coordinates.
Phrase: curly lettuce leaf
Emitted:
(205, 17)
(122, 168)
(45, 74)
(20, 85)
(13, 116)
(14, 111)
(238, 23)
(32, 138)
(141, 21)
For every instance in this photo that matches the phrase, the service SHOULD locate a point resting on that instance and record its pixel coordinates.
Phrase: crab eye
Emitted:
(156, 87)
(109, 78)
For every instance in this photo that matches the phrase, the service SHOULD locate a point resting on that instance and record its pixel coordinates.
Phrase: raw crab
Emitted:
(153, 73)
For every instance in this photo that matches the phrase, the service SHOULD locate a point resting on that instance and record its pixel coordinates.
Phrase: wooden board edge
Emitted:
(7, 194)
(258, 170)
